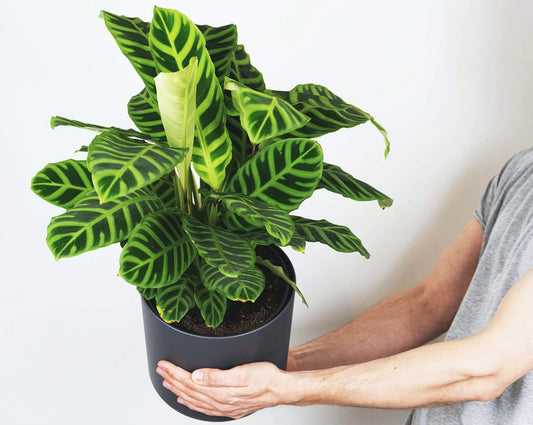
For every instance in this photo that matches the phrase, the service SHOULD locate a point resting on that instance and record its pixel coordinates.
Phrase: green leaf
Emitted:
(297, 242)
(263, 116)
(146, 117)
(60, 121)
(90, 225)
(340, 238)
(174, 301)
(247, 286)
(275, 220)
(158, 251)
(280, 272)
(328, 112)
(176, 93)
(131, 35)
(212, 305)
(219, 247)
(336, 180)
(121, 165)
(147, 293)
(284, 174)
(174, 41)
(63, 183)
(164, 189)
(244, 72)
(221, 43)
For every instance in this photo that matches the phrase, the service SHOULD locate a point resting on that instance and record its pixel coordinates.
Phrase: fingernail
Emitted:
(161, 366)
(197, 376)
(166, 385)
(160, 371)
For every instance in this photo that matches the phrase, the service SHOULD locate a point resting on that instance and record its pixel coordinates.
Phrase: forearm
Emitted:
(438, 374)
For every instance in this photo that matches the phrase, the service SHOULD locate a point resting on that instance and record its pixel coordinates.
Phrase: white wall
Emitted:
(450, 80)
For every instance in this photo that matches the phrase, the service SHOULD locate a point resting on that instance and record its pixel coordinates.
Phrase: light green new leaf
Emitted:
(244, 72)
(174, 41)
(131, 35)
(328, 112)
(121, 165)
(275, 220)
(63, 183)
(60, 121)
(221, 43)
(174, 301)
(219, 247)
(263, 116)
(146, 117)
(158, 251)
(340, 238)
(284, 174)
(176, 94)
(245, 287)
(336, 180)
(212, 305)
(90, 225)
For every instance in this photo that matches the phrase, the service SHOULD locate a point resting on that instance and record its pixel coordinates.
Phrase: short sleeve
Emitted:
(483, 208)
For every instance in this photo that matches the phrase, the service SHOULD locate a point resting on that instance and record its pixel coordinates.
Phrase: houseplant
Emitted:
(215, 169)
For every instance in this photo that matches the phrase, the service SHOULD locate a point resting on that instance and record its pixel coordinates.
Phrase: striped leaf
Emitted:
(221, 43)
(263, 116)
(219, 247)
(297, 242)
(284, 174)
(164, 189)
(212, 305)
(240, 142)
(90, 225)
(63, 183)
(158, 251)
(146, 117)
(176, 93)
(147, 293)
(174, 301)
(340, 238)
(336, 180)
(328, 112)
(244, 72)
(245, 287)
(275, 220)
(121, 165)
(131, 35)
(174, 40)
(61, 121)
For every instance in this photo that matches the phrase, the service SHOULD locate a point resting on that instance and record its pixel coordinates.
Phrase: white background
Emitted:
(450, 80)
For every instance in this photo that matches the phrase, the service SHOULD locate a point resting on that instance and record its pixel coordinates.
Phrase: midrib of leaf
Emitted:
(269, 112)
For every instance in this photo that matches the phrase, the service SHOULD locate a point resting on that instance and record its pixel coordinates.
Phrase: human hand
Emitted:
(234, 393)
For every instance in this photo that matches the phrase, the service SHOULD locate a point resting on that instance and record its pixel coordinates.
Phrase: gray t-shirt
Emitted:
(506, 215)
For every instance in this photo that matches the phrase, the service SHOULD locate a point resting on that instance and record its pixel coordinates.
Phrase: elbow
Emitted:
(488, 390)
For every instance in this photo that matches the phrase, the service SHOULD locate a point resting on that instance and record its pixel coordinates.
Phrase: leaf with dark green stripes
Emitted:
(263, 116)
(221, 43)
(146, 117)
(164, 189)
(158, 251)
(328, 112)
(336, 180)
(90, 225)
(244, 72)
(340, 238)
(297, 242)
(61, 121)
(63, 183)
(219, 247)
(174, 301)
(131, 35)
(174, 40)
(147, 293)
(212, 305)
(121, 165)
(275, 220)
(284, 174)
(280, 272)
(247, 286)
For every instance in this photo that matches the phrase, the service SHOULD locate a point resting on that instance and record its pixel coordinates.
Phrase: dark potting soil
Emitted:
(240, 316)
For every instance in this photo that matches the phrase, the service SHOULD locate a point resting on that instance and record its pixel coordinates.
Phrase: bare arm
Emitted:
(475, 368)
(404, 320)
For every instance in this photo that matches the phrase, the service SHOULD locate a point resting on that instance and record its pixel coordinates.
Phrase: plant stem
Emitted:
(178, 190)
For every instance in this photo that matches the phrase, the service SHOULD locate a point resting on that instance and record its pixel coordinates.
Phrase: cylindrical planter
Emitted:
(269, 342)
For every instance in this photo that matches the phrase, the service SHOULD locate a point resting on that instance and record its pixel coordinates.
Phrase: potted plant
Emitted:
(203, 190)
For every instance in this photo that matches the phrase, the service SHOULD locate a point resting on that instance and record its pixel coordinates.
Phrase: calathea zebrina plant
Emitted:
(217, 166)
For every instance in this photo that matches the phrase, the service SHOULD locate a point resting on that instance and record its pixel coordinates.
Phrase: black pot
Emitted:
(268, 342)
